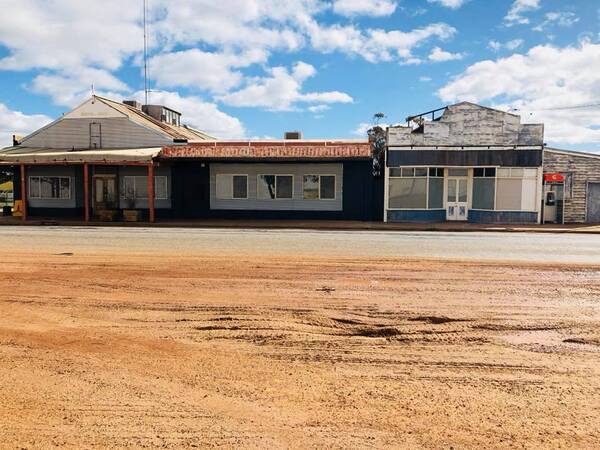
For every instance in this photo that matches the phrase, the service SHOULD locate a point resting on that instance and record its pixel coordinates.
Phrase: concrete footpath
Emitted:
(317, 225)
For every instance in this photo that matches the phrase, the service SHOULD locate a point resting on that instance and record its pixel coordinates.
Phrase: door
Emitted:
(456, 199)
(105, 192)
(593, 203)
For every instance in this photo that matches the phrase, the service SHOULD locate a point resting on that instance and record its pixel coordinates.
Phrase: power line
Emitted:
(562, 108)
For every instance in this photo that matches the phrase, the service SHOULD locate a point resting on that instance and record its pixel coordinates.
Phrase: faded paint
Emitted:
(579, 170)
(468, 124)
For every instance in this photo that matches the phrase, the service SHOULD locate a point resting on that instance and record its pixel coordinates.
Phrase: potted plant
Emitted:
(130, 214)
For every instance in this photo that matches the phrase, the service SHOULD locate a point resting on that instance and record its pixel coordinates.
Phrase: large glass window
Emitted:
(408, 193)
(240, 186)
(484, 193)
(516, 189)
(319, 187)
(436, 193)
(416, 188)
(50, 188)
(136, 187)
(275, 187)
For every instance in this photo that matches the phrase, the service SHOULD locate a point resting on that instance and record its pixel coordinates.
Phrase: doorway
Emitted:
(105, 193)
(456, 198)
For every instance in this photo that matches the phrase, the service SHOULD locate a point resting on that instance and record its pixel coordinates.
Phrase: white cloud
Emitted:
(516, 16)
(425, 79)
(199, 114)
(510, 45)
(453, 4)
(362, 128)
(15, 122)
(439, 55)
(374, 45)
(61, 34)
(281, 91)
(562, 19)
(374, 8)
(541, 84)
(72, 88)
(195, 68)
(318, 108)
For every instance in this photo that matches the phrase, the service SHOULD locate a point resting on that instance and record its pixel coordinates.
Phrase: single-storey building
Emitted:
(107, 160)
(468, 163)
(571, 186)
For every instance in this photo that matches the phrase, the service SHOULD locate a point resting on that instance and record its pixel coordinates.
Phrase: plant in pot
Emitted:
(130, 214)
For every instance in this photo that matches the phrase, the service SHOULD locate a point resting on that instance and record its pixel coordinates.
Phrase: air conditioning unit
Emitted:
(292, 135)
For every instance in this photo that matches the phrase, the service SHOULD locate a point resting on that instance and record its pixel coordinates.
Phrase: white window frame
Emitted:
(156, 177)
(39, 177)
(275, 175)
(426, 177)
(335, 196)
(232, 175)
(510, 176)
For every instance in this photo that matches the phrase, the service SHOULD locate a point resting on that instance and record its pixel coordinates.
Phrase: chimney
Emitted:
(292, 135)
(133, 103)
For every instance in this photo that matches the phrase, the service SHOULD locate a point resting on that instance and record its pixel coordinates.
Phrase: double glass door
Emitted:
(105, 192)
(457, 205)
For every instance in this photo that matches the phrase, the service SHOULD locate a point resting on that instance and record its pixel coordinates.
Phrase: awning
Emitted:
(17, 155)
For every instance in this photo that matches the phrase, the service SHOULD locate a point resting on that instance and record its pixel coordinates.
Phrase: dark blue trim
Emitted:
(432, 215)
(502, 217)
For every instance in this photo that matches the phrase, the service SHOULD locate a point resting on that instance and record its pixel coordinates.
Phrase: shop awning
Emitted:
(18, 155)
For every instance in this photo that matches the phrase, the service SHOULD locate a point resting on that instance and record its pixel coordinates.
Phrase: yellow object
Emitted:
(18, 208)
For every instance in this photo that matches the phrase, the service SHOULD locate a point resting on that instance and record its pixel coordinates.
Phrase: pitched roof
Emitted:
(283, 149)
(572, 152)
(176, 132)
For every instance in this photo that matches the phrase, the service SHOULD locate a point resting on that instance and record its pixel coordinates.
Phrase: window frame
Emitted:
(156, 177)
(319, 175)
(233, 197)
(39, 178)
(414, 176)
(276, 175)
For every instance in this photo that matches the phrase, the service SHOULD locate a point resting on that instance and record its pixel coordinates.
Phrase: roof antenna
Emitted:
(145, 54)
(93, 91)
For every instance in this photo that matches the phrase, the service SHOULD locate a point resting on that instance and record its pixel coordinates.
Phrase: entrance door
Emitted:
(105, 192)
(593, 202)
(456, 206)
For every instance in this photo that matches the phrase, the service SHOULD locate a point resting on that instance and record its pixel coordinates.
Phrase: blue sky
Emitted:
(255, 68)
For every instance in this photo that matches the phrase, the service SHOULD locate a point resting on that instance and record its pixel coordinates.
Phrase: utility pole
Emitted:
(145, 55)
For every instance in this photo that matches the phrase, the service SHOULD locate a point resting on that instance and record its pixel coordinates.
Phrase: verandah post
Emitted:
(23, 192)
(151, 192)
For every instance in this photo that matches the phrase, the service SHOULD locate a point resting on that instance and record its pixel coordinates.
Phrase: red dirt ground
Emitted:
(124, 351)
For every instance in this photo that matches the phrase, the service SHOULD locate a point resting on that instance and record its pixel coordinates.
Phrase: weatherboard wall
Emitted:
(115, 133)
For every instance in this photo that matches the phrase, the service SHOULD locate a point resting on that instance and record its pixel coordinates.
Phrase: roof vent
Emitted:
(133, 103)
(292, 135)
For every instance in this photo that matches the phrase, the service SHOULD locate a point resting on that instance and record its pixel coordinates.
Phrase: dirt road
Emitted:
(311, 350)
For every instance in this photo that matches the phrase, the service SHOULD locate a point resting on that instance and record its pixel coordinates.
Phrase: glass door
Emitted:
(456, 199)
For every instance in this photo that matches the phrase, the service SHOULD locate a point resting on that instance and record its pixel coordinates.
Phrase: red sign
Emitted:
(554, 177)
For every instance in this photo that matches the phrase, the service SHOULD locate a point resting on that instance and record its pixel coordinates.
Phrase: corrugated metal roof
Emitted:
(176, 132)
(16, 155)
(290, 149)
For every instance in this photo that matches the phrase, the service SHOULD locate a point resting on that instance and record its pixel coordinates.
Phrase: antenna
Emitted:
(145, 54)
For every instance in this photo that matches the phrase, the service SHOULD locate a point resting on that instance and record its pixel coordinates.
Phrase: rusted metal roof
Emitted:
(176, 132)
(271, 150)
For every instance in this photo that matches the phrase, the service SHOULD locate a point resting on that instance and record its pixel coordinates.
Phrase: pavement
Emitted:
(318, 225)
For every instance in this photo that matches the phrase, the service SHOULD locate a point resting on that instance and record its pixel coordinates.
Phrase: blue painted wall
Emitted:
(502, 217)
(432, 215)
